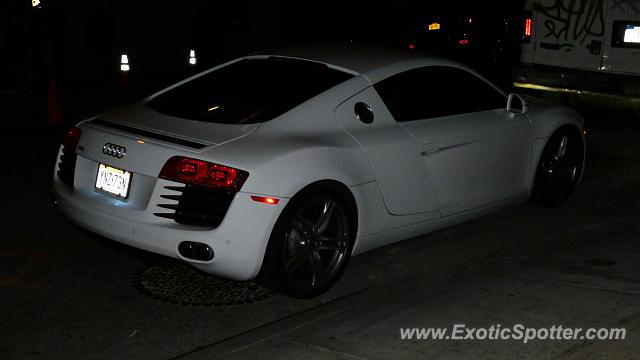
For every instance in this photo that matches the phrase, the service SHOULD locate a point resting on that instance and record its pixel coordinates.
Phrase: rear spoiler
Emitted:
(147, 133)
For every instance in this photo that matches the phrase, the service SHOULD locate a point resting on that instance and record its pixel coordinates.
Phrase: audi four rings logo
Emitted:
(114, 150)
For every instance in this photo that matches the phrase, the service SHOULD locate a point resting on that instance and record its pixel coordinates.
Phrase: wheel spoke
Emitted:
(296, 261)
(328, 243)
(325, 218)
(303, 226)
(562, 149)
(568, 169)
(326, 239)
(299, 228)
(315, 263)
(329, 247)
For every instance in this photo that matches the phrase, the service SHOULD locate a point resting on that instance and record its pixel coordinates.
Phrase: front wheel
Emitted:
(559, 168)
(310, 245)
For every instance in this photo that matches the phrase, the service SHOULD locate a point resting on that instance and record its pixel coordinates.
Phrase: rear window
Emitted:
(248, 91)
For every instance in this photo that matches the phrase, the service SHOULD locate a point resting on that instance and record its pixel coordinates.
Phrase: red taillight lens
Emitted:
(193, 171)
(528, 23)
(71, 137)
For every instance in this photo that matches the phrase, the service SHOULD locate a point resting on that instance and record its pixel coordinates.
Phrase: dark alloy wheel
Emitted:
(310, 245)
(559, 169)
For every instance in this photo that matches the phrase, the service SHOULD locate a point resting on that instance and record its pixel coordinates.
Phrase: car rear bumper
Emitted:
(238, 243)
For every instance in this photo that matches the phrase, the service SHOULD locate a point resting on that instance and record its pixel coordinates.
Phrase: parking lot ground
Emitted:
(575, 287)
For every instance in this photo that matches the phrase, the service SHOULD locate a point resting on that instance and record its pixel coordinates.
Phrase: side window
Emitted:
(626, 34)
(436, 91)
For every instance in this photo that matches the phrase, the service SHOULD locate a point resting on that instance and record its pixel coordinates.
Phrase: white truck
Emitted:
(594, 35)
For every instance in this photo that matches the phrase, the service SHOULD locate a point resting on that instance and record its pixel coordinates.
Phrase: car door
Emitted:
(475, 151)
(392, 153)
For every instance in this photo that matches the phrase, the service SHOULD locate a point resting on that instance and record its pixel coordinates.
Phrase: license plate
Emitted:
(113, 181)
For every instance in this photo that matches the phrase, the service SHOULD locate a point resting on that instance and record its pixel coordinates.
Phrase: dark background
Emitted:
(60, 60)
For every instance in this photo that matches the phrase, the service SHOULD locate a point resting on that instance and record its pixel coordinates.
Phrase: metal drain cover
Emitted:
(184, 285)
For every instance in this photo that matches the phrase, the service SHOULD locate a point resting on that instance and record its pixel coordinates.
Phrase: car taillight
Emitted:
(71, 137)
(528, 23)
(192, 171)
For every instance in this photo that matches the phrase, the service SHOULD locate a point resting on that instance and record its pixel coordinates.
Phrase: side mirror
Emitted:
(516, 104)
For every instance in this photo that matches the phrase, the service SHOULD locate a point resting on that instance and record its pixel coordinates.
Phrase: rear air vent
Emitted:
(68, 157)
(148, 134)
(67, 165)
(195, 205)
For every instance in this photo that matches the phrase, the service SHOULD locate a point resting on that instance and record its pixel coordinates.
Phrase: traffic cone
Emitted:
(54, 117)
(124, 70)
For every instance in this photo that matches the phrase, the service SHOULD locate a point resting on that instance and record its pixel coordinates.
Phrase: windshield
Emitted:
(248, 91)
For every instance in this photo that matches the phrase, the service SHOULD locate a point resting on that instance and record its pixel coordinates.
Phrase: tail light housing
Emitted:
(71, 138)
(193, 171)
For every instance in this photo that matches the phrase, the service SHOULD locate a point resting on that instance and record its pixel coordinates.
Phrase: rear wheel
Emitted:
(310, 245)
(559, 168)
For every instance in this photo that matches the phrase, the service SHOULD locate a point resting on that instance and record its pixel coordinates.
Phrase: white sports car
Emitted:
(281, 166)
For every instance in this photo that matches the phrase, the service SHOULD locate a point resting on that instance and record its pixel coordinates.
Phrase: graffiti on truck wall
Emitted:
(571, 21)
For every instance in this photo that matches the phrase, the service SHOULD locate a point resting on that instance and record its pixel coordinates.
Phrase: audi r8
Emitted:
(280, 166)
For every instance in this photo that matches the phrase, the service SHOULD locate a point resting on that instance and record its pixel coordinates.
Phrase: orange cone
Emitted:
(124, 70)
(54, 115)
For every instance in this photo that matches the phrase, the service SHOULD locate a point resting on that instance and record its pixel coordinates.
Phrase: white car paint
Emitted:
(407, 179)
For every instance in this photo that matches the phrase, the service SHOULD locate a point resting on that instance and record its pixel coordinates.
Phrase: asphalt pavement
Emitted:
(68, 294)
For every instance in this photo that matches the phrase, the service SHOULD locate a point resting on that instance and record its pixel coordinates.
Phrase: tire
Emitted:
(559, 169)
(310, 245)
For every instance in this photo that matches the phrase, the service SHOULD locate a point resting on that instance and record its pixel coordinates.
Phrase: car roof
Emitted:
(358, 59)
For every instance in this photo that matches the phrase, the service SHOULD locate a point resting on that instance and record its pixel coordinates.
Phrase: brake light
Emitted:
(463, 42)
(192, 171)
(71, 137)
(528, 23)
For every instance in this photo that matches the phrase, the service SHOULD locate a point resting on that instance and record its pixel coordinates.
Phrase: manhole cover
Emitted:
(184, 285)
(601, 262)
